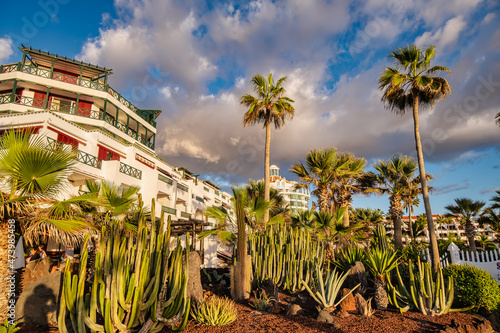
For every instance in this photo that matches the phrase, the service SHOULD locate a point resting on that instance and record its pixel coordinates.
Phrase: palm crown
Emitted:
(412, 78)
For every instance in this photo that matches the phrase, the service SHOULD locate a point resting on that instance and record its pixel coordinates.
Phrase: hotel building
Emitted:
(296, 198)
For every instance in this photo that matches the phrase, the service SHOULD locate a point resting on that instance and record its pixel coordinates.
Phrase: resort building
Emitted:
(71, 103)
(296, 198)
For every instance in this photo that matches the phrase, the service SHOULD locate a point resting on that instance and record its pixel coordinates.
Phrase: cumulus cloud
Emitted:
(444, 36)
(5, 49)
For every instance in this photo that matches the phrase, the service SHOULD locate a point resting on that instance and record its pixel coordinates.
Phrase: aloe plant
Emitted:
(325, 290)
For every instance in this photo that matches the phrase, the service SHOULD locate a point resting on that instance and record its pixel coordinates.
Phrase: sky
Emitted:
(195, 59)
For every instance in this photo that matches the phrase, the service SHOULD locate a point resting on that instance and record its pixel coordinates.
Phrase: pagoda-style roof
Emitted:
(148, 112)
(44, 59)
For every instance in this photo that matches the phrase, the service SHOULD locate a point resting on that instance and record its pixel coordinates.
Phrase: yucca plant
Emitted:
(380, 264)
(7, 327)
(215, 312)
(325, 291)
(346, 257)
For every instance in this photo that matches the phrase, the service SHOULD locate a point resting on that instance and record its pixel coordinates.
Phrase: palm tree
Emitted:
(496, 200)
(395, 175)
(497, 117)
(486, 243)
(317, 171)
(302, 219)
(30, 175)
(406, 86)
(278, 204)
(468, 209)
(348, 171)
(270, 106)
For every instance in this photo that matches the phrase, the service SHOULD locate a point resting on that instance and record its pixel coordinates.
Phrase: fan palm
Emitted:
(269, 106)
(395, 175)
(496, 200)
(317, 171)
(348, 173)
(408, 86)
(468, 209)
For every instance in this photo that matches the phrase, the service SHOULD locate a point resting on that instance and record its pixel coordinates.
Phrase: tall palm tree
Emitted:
(348, 171)
(257, 189)
(269, 106)
(408, 85)
(394, 176)
(317, 171)
(496, 201)
(468, 209)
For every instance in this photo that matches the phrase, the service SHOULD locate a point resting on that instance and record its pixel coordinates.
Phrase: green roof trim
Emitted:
(211, 184)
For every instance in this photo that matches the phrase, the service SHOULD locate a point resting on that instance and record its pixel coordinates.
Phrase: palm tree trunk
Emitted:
(4, 271)
(425, 192)
(410, 223)
(267, 186)
(396, 213)
(469, 232)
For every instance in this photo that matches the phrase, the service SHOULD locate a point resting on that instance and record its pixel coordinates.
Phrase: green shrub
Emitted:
(262, 302)
(215, 312)
(474, 287)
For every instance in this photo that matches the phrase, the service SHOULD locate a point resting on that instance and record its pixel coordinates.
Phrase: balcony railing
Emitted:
(165, 179)
(130, 170)
(96, 85)
(81, 156)
(200, 199)
(168, 210)
(182, 187)
(68, 109)
(185, 215)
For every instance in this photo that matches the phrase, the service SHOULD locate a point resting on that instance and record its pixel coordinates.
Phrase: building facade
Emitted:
(296, 198)
(70, 103)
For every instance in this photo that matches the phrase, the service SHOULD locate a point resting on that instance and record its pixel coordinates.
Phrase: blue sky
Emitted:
(194, 59)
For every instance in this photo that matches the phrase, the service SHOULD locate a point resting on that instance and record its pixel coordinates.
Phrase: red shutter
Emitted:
(63, 138)
(107, 154)
(39, 100)
(84, 109)
(102, 153)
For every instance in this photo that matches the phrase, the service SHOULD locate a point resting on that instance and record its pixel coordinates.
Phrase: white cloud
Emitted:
(444, 36)
(5, 49)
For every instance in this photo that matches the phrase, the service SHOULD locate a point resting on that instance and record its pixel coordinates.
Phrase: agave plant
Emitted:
(325, 291)
(215, 312)
(346, 257)
(380, 264)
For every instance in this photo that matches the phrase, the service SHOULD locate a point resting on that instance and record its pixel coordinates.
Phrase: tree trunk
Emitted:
(241, 281)
(470, 234)
(410, 224)
(267, 180)
(396, 213)
(425, 192)
(4, 271)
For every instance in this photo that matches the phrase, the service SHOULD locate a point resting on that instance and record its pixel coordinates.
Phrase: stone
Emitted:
(343, 314)
(349, 303)
(357, 275)
(39, 302)
(294, 310)
(194, 288)
(325, 317)
(478, 325)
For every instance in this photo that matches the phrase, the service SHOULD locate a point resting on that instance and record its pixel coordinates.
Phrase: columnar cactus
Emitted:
(285, 255)
(125, 293)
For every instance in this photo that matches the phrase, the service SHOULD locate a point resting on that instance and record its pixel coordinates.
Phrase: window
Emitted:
(107, 154)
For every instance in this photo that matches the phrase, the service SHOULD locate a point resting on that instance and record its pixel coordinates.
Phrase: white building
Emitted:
(298, 199)
(71, 103)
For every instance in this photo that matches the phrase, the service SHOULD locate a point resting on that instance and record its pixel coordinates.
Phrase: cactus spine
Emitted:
(285, 255)
(125, 293)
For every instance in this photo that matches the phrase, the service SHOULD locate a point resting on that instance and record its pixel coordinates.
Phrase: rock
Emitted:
(294, 310)
(194, 288)
(325, 317)
(478, 325)
(271, 289)
(349, 303)
(343, 314)
(357, 275)
(39, 302)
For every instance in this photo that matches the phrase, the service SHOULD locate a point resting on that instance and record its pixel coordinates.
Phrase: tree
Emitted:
(497, 117)
(394, 176)
(468, 209)
(443, 220)
(317, 171)
(407, 86)
(269, 106)
(348, 173)
(496, 201)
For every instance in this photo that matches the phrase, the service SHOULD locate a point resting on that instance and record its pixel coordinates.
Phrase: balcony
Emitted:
(81, 156)
(130, 171)
(165, 179)
(168, 210)
(79, 111)
(80, 81)
(185, 215)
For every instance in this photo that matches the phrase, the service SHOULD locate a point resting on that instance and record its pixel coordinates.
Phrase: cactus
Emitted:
(326, 290)
(380, 238)
(284, 255)
(125, 293)
(427, 291)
